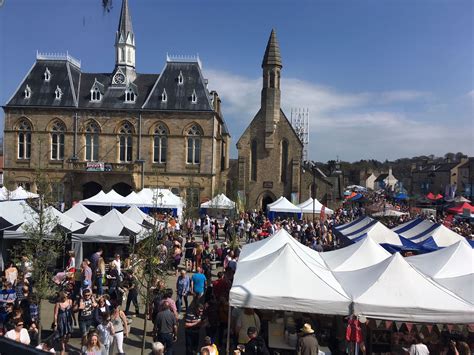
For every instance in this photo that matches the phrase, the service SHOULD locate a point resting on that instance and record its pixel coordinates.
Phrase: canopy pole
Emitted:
(227, 346)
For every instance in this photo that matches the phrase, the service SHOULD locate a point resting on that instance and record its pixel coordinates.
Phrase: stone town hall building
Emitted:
(123, 130)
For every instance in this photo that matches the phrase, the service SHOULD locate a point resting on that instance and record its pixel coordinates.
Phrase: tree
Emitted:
(43, 243)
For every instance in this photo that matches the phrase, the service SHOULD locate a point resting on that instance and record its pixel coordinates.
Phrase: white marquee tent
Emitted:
(14, 213)
(82, 214)
(114, 227)
(220, 202)
(254, 251)
(283, 205)
(98, 199)
(356, 256)
(283, 280)
(430, 234)
(307, 207)
(389, 213)
(355, 225)
(460, 285)
(394, 290)
(140, 217)
(18, 194)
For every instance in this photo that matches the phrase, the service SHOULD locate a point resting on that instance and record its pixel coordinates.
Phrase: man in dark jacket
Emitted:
(307, 343)
(255, 345)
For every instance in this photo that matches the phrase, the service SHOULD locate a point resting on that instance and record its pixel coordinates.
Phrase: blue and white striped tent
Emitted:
(378, 232)
(427, 234)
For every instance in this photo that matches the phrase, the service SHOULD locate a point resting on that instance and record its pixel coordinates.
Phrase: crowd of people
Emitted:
(96, 295)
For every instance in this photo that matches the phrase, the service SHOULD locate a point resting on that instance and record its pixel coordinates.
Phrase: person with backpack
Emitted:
(256, 345)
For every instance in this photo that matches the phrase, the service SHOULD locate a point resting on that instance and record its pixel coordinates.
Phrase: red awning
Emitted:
(460, 209)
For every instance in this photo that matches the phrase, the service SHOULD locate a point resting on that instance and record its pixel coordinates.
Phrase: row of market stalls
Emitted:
(283, 207)
(416, 235)
(280, 274)
(80, 225)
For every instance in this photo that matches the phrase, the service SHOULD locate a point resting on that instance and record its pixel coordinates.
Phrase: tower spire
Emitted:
(125, 46)
(125, 24)
(272, 55)
(270, 104)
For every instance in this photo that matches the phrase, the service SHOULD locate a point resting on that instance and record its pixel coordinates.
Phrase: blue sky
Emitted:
(381, 79)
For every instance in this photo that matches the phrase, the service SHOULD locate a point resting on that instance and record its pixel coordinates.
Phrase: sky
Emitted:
(381, 79)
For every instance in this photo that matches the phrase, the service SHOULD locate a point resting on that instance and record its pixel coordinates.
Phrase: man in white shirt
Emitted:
(419, 348)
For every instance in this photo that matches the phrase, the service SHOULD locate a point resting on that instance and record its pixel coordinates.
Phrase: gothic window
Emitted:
(194, 145)
(223, 154)
(95, 94)
(253, 160)
(164, 96)
(24, 140)
(125, 143)
(57, 140)
(180, 78)
(27, 92)
(129, 95)
(92, 142)
(58, 93)
(160, 144)
(47, 75)
(194, 97)
(284, 160)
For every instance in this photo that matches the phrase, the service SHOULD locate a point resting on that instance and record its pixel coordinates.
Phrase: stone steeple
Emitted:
(270, 105)
(125, 45)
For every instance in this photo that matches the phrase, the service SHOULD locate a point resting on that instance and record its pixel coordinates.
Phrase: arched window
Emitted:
(284, 161)
(125, 139)
(129, 95)
(92, 142)
(194, 145)
(160, 144)
(24, 140)
(253, 160)
(57, 140)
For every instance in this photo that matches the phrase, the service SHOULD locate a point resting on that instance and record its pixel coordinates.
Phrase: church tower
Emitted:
(124, 48)
(271, 93)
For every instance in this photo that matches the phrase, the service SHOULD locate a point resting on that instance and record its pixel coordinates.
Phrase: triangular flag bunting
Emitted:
(440, 326)
(388, 324)
(450, 327)
(430, 328)
(378, 322)
(398, 325)
(409, 326)
(457, 328)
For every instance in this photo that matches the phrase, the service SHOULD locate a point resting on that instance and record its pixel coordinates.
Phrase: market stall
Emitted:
(283, 208)
(307, 207)
(82, 214)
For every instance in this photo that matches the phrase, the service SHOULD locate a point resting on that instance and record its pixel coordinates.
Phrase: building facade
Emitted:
(122, 130)
(269, 150)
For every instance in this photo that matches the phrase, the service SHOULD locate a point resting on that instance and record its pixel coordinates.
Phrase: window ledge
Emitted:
(56, 161)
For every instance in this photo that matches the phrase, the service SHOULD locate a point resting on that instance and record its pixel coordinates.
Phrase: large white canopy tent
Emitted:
(15, 212)
(394, 290)
(114, 227)
(452, 267)
(389, 213)
(98, 199)
(283, 280)
(18, 194)
(254, 251)
(307, 207)
(82, 214)
(219, 202)
(356, 256)
(355, 225)
(283, 205)
(430, 235)
(140, 217)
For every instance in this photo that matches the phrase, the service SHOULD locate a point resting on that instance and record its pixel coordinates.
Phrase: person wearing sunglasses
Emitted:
(19, 333)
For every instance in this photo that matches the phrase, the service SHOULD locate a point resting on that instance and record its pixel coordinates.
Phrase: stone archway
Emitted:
(90, 189)
(264, 199)
(122, 188)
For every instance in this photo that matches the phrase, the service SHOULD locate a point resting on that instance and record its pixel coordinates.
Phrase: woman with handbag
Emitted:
(63, 320)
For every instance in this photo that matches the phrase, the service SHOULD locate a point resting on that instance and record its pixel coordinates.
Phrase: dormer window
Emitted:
(164, 97)
(95, 94)
(47, 75)
(27, 92)
(130, 95)
(180, 78)
(58, 92)
(194, 97)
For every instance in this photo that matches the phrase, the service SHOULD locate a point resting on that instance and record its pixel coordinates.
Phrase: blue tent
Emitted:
(401, 196)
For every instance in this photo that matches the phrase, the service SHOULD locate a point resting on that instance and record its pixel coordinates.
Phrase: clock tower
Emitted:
(124, 49)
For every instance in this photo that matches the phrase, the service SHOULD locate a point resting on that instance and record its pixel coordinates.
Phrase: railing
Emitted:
(184, 58)
(108, 167)
(59, 56)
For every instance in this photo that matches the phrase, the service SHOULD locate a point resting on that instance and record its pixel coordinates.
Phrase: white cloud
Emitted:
(470, 94)
(352, 125)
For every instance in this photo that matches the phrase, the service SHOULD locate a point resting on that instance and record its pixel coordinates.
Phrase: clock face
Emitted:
(119, 78)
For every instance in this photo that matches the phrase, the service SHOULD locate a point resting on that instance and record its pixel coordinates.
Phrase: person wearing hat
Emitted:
(307, 342)
(256, 344)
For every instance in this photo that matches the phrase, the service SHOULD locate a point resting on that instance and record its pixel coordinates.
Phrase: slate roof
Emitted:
(63, 75)
(179, 95)
(76, 88)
